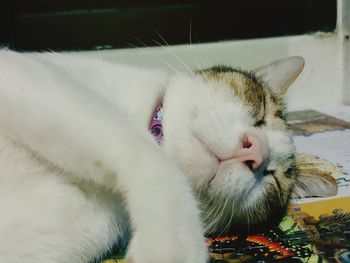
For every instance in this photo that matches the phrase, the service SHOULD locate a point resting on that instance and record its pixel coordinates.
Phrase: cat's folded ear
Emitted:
(314, 185)
(279, 75)
(315, 177)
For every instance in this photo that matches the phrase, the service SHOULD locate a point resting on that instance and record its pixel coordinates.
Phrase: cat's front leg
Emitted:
(165, 217)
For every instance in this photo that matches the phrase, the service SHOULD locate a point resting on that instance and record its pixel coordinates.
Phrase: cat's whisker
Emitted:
(248, 223)
(189, 70)
(214, 209)
(136, 46)
(220, 215)
(142, 43)
(210, 212)
(228, 224)
(208, 196)
(133, 46)
(191, 47)
(190, 32)
(200, 68)
(217, 216)
(171, 67)
(208, 202)
(162, 60)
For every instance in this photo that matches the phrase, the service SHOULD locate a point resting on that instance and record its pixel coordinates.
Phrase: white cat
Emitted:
(80, 169)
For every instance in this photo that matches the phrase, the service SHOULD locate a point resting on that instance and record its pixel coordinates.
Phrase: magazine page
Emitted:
(326, 135)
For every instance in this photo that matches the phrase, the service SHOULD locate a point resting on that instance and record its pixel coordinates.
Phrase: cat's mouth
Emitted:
(212, 178)
(251, 153)
(246, 168)
(247, 183)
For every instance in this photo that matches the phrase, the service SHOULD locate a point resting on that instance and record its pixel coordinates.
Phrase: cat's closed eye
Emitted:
(259, 123)
(279, 114)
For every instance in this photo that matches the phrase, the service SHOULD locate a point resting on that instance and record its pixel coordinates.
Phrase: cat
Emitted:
(81, 172)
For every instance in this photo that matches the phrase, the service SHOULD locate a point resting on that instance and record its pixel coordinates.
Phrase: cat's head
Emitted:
(227, 131)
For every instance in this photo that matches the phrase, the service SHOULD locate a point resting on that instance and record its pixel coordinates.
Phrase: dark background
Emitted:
(101, 24)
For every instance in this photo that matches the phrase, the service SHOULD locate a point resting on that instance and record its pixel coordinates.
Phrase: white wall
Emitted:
(321, 83)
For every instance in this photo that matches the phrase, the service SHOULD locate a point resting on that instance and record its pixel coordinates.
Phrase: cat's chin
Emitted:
(239, 200)
(246, 213)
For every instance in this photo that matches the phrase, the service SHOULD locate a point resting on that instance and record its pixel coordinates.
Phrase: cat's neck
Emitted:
(177, 103)
(137, 96)
(174, 92)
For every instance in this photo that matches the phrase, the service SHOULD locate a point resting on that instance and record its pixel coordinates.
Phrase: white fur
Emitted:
(74, 142)
(61, 125)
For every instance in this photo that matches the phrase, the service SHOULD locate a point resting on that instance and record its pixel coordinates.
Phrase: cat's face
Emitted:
(234, 144)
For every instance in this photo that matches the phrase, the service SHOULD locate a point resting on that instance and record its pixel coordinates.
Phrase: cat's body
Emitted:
(80, 170)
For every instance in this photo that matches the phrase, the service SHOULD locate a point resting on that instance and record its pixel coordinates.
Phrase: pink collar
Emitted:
(155, 126)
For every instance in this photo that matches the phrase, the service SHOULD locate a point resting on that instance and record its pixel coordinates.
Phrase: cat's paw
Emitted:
(170, 246)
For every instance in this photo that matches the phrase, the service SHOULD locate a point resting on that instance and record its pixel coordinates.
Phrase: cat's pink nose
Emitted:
(253, 151)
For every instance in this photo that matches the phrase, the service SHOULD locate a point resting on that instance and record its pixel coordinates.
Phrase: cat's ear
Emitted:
(314, 185)
(316, 177)
(279, 75)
